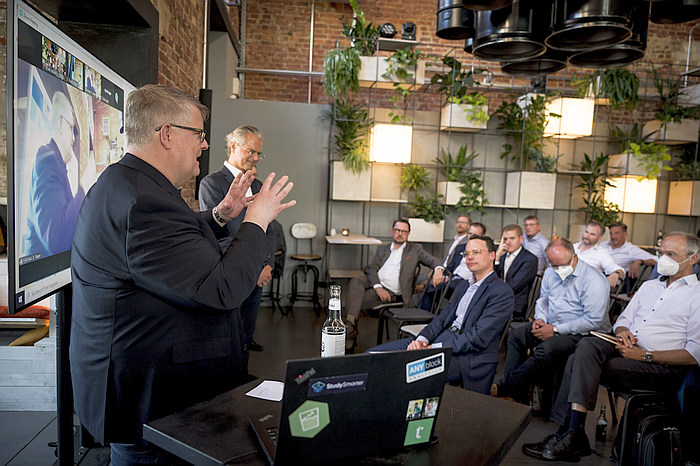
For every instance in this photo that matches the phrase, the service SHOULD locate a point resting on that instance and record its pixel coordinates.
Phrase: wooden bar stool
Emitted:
(302, 231)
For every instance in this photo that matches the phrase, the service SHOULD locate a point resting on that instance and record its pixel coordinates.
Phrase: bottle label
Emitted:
(332, 345)
(334, 304)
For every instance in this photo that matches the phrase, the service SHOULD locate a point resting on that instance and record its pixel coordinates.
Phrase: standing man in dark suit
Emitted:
(244, 150)
(154, 325)
(472, 322)
(388, 278)
(517, 267)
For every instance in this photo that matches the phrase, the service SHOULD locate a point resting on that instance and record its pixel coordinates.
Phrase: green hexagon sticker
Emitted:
(309, 419)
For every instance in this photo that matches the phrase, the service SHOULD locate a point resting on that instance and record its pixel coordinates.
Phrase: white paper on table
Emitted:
(268, 390)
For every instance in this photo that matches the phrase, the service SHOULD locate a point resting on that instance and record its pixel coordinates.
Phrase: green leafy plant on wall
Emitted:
(361, 33)
(618, 85)
(429, 209)
(415, 178)
(650, 155)
(471, 186)
(525, 130)
(688, 166)
(352, 126)
(455, 83)
(593, 184)
(341, 69)
(669, 111)
(399, 64)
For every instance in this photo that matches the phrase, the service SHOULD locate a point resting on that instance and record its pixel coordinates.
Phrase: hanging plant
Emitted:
(352, 128)
(399, 64)
(455, 83)
(618, 85)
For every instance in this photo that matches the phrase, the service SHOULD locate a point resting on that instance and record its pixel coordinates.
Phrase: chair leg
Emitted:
(314, 297)
(613, 411)
(380, 328)
(298, 268)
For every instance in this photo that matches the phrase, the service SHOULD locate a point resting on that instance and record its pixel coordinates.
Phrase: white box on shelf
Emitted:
(450, 191)
(453, 117)
(426, 232)
(673, 133)
(348, 186)
(530, 190)
(684, 198)
(373, 68)
(625, 164)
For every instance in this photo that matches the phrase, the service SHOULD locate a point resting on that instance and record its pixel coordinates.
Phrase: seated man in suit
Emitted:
(658, 339)
(471, 324)
(517, 267)
(573, 301)
(457, 266)
(388, 278)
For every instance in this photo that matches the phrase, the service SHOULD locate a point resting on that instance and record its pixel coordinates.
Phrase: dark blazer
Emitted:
(521, 274)
(413, 254)
(475, 347)
(213, 188)
(458, 249)
(456, 257)
(153, 328)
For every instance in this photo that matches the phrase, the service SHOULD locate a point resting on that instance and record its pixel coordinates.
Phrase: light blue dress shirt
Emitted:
(576, 305)
(536, 246)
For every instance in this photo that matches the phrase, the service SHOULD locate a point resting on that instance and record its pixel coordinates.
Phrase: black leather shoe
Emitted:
(255, 346)
(535, 450)
(570, 446)
(350, 338)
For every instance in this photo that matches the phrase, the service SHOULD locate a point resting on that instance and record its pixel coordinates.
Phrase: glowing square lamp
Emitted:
(576, 118)
(632, 194)
(391, 143)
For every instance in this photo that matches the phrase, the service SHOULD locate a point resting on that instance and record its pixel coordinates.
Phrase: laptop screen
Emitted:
(359, 405)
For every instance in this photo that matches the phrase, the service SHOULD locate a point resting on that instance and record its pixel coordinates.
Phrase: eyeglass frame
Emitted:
(403, 232)
(252, 151)
(202, 132)
(466, 253)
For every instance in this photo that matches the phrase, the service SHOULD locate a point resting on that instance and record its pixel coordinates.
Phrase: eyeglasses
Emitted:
(403, 232)
(202, 132)
(670, 254)
(473, 252)
(252, 152)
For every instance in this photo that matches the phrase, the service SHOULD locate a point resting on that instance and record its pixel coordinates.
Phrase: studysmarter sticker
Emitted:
(338, 384)
(426, 367)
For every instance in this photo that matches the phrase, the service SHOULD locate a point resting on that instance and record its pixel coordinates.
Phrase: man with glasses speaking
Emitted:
(244, 150)
(388, 278)
(471, 323)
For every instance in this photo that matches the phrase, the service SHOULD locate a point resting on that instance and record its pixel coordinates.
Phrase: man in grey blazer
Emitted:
(154, 327)
(244, 150)
(388, 278)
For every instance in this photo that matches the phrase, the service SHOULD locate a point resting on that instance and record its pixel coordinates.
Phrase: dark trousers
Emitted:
(361, 295)
(596, 361)
(128, 454)
(249, 314)
(522, 370)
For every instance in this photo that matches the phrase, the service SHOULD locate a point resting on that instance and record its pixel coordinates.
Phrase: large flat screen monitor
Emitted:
(67, 120)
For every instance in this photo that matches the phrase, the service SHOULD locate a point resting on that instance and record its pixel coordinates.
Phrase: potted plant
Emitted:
(593, 182)
(426, 213)
(650, 156)
(617, 86)
(674, 124)
(403, 70)
(524, 123)
(463, 110)
(350, 177)
(462, 187)
(684, 191)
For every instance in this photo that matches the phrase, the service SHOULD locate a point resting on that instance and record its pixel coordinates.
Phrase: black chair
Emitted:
(410, 315)
(305, 231)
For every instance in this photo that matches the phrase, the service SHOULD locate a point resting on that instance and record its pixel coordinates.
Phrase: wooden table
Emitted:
(351, 239)
(472, 429)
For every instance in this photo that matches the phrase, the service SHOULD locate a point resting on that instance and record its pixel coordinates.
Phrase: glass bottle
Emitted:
(333, 330)
(601, 425)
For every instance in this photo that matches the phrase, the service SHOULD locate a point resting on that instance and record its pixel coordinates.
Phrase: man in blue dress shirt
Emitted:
(573, 301)
(535, 242)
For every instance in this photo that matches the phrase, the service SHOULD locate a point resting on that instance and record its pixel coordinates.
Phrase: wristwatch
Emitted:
(555, 330)
(648, 357)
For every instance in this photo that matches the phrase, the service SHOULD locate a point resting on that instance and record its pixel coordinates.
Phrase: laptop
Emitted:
(354, 406)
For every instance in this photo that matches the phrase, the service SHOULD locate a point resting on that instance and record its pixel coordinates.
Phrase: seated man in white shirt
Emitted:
(388, 278)
(658, 339)
(625, 254)
(590, 252)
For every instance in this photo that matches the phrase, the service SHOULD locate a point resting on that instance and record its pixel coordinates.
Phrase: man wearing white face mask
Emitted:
(658, 338)
(573, 301)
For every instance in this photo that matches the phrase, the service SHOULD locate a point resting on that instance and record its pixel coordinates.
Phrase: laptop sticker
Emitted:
(426, 367)
(431, 405)
(415, 408)
(337, 384)
(418, 432)
(309, 419)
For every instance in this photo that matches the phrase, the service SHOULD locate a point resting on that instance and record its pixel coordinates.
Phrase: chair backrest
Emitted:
(304, 231)
(644, 273)
(533, 296)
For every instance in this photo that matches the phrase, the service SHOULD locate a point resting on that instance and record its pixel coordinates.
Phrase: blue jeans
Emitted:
(130, 454)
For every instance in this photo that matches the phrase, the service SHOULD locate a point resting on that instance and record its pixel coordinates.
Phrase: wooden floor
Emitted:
(26, 437)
